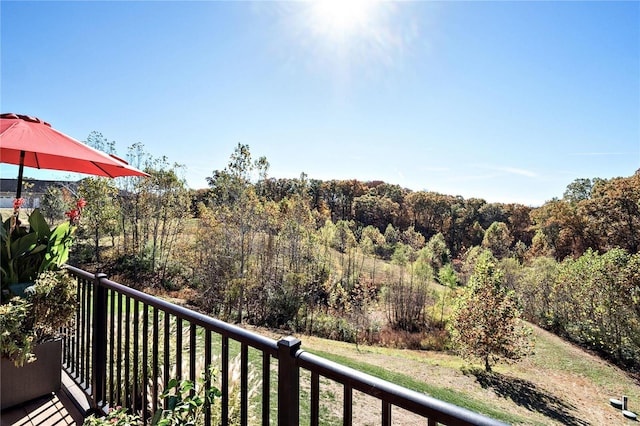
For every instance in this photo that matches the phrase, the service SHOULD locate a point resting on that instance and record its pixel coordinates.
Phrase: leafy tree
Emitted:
(100, 216)
(134, 215)
(519, 222)
(326, 235)
(394, 192)
(423, 266)
(375, 210)
(339, 196)
(486, 321)
(431, 212)
(52, 204)
(239, 209)
(613, 213)
(406, 300)
(371, 239)
(497, 239)
(345, 242)
(469, 259)
(412, 238)
(594, 302)
(344, 239)
(391, 235)
(534, 290)
(373, 234)
(447, 277)
(598, 214)
(164, 198)
(465, 230)
(512, 272)
(99, 142)
(578, 190)
(492, 212)
(436, 253)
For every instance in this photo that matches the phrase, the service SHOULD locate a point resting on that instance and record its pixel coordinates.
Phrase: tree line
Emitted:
(351, 260)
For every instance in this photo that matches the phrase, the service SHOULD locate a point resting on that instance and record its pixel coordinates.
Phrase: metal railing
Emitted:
(127, 345)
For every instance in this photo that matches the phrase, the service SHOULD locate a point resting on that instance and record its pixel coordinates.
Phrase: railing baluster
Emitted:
(73, 363)
(244, 383)
(207, 372)
(145, 362)
(111, 339)
(78, 337)
(87, 335)
(98, 340)
(225, 380)
(119, 353)
(266, 388)
(315, 398)
(154, 361)
(127, 354)
(386, 413)
(178, 348)
(192, 355)
(82, 356)
(167, 354)
(136, 350)
(347, 416)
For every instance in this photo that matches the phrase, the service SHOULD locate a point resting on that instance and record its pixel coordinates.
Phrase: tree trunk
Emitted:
(97, 242)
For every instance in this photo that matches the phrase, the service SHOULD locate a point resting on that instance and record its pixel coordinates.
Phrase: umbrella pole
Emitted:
(20, 170)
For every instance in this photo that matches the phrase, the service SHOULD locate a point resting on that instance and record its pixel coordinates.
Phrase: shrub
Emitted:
(37, 316)
(331, 327)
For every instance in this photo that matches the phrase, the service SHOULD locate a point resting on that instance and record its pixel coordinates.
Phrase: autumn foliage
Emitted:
(486, 322)
(362, 260)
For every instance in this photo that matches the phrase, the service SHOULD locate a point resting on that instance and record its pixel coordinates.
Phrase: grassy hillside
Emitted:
(559, 385)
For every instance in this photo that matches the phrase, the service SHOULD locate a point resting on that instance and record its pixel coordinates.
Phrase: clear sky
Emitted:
(506, 101)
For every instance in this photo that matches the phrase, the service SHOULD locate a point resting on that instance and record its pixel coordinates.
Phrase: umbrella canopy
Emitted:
(29, 141)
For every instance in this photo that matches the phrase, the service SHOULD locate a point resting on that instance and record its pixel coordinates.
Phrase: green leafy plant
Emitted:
(37, 316)
(26, 252)
(16, 337)
(117, 416)
(38, 297)
(185, 403)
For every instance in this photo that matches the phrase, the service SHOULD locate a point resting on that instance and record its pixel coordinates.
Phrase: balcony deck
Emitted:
(64, 407)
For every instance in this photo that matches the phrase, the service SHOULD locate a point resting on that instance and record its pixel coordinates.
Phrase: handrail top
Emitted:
(234, 332)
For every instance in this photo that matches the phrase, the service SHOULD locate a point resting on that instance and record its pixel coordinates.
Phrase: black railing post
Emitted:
(288, 382)
(99, 342)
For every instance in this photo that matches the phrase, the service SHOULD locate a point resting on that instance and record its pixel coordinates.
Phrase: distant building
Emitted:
(32, 190)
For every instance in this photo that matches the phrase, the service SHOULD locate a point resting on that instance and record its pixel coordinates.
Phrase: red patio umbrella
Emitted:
(29, 141)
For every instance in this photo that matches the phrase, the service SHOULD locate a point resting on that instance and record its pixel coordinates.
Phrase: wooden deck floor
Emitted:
(65, 407)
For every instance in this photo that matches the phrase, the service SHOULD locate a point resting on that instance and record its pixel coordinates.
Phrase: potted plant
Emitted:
(37, 300)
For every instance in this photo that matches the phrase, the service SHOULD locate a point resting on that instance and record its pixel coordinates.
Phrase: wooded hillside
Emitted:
(369, 261)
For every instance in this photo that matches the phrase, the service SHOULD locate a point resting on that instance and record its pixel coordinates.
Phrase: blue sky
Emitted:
(506, 101)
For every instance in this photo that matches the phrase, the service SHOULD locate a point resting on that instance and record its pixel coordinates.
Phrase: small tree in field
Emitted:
(486, 322)
(52, 204)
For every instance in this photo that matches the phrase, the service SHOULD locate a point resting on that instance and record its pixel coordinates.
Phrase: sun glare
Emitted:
(348, 39)
(341, 18)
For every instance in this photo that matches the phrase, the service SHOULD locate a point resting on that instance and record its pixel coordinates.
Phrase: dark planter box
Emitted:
(32, 380)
